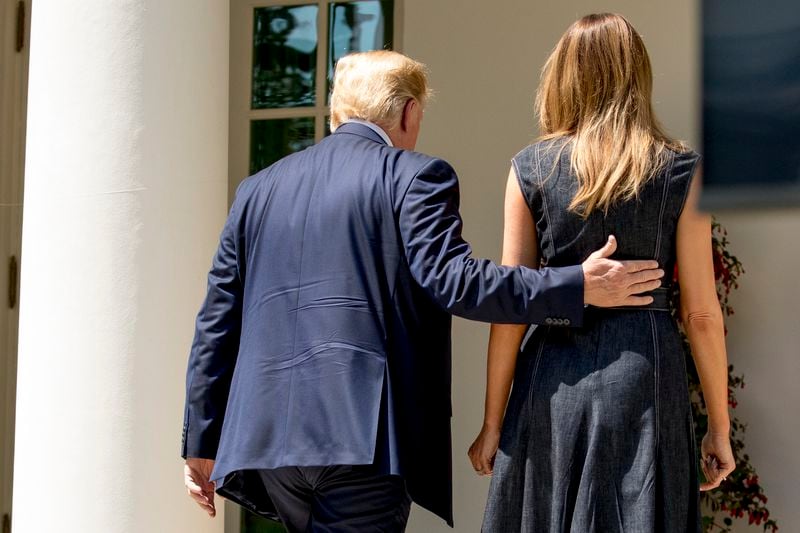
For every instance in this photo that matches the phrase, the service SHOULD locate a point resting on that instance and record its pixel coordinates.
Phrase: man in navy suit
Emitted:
(318, 387)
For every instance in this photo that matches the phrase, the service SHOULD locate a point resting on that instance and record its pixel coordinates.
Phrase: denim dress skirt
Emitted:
(598, 434)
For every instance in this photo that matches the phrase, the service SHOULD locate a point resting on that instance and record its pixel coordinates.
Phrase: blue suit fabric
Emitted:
(324, 338)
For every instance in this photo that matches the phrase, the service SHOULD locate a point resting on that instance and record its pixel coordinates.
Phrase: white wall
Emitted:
(764, 345)
(485, 59)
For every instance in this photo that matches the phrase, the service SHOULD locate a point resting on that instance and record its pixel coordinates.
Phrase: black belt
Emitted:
(661, 302)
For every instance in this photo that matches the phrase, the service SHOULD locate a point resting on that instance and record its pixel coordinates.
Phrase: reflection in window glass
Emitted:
(358, 27)
(272, 139)
(284, 56)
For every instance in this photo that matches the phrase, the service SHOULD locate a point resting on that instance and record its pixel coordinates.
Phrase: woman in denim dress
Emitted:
(597, 433)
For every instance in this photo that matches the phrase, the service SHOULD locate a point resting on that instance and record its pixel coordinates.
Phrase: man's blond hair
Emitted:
(375, 86)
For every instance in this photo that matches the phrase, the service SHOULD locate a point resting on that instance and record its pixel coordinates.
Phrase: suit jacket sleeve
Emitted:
(440, 261)
(215, 347)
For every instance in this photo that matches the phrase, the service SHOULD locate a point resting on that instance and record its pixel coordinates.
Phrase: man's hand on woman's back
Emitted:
(610, 283)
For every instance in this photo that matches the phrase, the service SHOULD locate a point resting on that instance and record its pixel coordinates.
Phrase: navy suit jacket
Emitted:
(324, 338)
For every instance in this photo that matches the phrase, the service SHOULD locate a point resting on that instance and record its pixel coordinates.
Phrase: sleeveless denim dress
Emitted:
(598, 435)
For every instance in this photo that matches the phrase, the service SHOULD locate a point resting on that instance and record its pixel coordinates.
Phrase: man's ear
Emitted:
(408, 114)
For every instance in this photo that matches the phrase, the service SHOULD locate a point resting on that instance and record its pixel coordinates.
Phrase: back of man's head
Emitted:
(375, 86)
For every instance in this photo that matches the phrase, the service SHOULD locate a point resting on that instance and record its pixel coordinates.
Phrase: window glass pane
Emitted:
(284, 56)
(358, 27)
(272, 139)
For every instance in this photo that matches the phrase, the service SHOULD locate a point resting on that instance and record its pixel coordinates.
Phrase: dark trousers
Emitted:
(337, 499)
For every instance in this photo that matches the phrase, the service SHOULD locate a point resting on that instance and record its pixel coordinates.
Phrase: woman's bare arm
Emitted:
(520, 247)
(702, 319)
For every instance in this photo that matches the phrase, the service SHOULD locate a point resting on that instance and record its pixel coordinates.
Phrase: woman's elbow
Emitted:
(703, 322)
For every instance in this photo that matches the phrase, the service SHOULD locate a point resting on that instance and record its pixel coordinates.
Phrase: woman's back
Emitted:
(597, 432)
(601, 411)
(645, 227)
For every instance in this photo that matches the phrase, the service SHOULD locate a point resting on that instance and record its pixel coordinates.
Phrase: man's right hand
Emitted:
(609, 283)
(196, 474)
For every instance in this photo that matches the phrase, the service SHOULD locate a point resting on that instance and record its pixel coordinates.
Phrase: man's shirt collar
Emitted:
(374, 127)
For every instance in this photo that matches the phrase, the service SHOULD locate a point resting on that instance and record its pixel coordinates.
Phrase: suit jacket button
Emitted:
(566, 322)
(548, 321)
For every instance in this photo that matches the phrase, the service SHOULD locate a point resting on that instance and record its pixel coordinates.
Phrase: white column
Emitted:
(125, 194)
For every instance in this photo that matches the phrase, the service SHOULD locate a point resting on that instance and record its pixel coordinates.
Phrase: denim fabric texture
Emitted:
(597, 435)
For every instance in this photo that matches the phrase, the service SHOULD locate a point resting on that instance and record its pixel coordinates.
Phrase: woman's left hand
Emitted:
(483, 451)
(717, 459)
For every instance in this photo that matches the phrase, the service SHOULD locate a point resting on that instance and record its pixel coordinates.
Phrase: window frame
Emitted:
(241, 113)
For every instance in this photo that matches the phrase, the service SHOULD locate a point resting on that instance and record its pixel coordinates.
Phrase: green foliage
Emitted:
(741, 494)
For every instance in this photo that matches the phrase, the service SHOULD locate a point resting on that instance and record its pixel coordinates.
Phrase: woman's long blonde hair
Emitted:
(596, 89)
